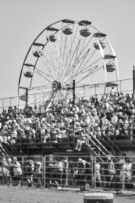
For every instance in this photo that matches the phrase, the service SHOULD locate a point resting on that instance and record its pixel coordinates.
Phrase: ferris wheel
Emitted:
(64, 52)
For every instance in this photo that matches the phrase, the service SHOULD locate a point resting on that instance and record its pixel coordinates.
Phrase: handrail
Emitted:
(101, 146)
(112, 143)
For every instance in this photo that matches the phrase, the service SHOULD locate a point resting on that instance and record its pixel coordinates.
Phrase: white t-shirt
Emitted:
(17, 169)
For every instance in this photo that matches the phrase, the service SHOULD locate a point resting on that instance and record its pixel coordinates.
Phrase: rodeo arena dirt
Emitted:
(66, 147)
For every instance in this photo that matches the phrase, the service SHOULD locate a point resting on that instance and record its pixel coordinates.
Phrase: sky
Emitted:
(22, 20)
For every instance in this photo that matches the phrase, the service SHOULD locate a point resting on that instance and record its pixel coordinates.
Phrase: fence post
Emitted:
(93, 172)
(22, 168)
(66, 182)
(44, 170)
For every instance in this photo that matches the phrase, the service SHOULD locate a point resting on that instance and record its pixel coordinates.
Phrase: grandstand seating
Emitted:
(98, 124)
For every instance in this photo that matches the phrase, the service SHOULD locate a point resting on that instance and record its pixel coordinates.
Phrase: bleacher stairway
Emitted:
(9, 150)
(102, 147)
(3, 151)
(110, 145)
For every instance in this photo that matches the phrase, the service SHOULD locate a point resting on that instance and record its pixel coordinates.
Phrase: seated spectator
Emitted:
(98, 132)
(81, 139)
(105, 124)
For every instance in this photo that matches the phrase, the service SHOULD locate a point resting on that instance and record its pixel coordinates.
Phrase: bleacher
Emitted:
(97, 125)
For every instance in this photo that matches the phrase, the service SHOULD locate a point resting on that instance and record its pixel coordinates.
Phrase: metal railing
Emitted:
(125, 85)
(81, 172)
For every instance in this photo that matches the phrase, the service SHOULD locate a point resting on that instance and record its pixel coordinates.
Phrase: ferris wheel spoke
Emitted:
(82, 49)
(46, 60)
(89, 58)
(50, 60)
(39, 97)
(68, 68)
(80, 56)
(73, 54)
(49, 69)
(82, 59)
(52, 70)
(87, 68)
(43, 75)
(70, 50)
(53, 55)
(84, 69)
(65, 50)
(63, 55)
(81, 73)
(44, 87)
(93, 70)
(77, 70)
(56, 55)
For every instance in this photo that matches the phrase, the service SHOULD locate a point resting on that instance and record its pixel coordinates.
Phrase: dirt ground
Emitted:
(34, 195)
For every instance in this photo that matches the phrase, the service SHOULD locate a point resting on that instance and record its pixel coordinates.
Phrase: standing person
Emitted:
(38, 173)
(128, 170)
(97, 176)
(5, 170)
(29, 171)
(81, 179)
(111, 171)
(88, 175)
(11, 170)
(17, 170)
(122, 172)
(59, 172)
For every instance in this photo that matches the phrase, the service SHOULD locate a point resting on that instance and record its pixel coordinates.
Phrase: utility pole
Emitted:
(133, 83)
(73, 92)
(26, 96)
(73, 108)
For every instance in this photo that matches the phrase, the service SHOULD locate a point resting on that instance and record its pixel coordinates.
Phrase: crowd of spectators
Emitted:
(17, 172)
(110, 115)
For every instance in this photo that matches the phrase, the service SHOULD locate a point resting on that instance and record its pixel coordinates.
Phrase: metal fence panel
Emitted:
(84, 172)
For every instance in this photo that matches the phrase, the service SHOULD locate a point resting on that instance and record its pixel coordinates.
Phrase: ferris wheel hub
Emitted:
(56, 85)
